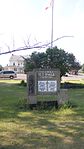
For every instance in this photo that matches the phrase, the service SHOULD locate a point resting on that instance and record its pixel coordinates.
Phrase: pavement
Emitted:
(73, 77)
(69, 77)
(21, 77)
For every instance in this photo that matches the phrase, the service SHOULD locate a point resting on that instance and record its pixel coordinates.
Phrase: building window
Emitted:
(14, 64)
(15, 69)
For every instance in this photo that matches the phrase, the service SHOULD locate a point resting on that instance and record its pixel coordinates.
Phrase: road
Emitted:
(21, 77)
(70, 77)
(73, 77)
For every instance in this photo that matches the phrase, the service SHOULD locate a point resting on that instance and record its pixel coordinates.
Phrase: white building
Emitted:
(16, 63)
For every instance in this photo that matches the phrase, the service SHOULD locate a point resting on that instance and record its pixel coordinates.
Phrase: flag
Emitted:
(51, 3)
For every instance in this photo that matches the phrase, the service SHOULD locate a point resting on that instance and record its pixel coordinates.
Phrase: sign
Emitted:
(45, 81)
(46, 74)
(47, 86)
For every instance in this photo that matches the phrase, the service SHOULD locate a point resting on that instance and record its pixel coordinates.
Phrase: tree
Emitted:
(83, 67)
(36, 60)
(1, 67)
(52, 58)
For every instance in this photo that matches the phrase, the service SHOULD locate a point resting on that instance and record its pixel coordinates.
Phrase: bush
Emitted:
(68, 105)
(68, 85)
(23, 83)
(22, 104)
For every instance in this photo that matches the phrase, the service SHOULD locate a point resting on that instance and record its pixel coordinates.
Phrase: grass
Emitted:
(39, 129)
(11, 81)
(80, 81)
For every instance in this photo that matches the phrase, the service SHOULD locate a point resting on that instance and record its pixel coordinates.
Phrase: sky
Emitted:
(27, 20)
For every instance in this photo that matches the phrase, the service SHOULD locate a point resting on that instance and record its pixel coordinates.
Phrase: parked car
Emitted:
(8, 74)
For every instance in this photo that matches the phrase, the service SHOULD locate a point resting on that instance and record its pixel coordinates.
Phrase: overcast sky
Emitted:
(23, 19)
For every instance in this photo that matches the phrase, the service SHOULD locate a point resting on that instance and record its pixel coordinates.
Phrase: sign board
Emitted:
(43, 81)
(48, 81)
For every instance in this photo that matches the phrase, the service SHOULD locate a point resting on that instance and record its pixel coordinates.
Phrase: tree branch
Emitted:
(35, 46)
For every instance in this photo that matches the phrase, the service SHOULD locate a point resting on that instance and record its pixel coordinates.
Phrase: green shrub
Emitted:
(68, 104)
(23, 83)
(22, 104)
(68, 85)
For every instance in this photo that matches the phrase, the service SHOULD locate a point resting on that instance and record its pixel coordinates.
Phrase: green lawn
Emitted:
(54, 129)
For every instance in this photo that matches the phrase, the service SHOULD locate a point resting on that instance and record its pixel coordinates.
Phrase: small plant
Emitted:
(22, 104)
(68, 104)
(23, 83)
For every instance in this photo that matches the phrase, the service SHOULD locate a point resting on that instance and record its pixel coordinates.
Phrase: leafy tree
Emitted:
(52, 58)
(1, 67)
(36, 60)
(57, 59)
(83, 67)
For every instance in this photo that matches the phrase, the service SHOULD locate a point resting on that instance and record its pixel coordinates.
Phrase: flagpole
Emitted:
(52, 24)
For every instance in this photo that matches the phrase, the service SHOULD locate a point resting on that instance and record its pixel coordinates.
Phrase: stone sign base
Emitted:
(62, 96)
(32, 100)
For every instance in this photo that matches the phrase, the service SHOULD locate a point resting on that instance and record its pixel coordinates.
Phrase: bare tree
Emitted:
(37, 45)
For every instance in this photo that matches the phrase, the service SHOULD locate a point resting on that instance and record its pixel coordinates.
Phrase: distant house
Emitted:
(16, 63)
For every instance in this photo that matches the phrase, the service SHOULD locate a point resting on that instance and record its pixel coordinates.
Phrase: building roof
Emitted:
(17, 57)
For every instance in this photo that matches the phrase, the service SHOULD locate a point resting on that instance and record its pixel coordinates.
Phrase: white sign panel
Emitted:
(52, 86)
(47, 86)
(42, 86)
